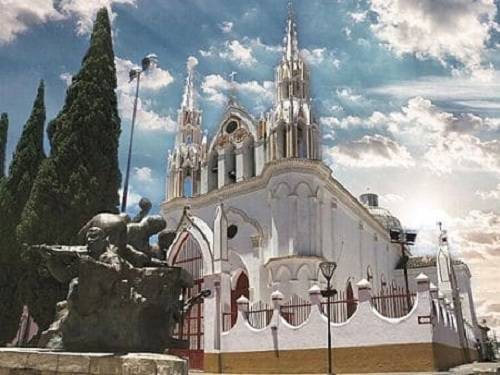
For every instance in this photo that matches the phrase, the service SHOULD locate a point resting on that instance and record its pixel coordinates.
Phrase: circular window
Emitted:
(231, 127)
(232, 230)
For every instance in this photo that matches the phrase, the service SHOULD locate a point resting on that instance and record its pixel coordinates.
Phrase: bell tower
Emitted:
(294, 132)
(184, 163)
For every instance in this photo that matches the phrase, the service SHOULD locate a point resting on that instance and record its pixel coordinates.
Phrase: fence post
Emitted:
(276, 300)
(364, 291)
(315, 295)
(242, 309)
(423, 295)
(434, 290)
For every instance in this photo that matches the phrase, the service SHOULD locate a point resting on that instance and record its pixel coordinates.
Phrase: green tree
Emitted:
(81, 177)
(14, 192)
(4, 127)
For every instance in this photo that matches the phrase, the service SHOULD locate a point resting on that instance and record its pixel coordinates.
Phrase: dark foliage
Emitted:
(14, 192)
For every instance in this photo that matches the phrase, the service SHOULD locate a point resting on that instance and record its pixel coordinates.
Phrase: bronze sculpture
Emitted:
(121, 298)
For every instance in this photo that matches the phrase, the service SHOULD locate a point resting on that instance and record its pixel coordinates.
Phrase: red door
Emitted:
(189, 257)
(241, 289)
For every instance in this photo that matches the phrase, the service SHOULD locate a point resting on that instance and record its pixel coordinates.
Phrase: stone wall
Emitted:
(354, 360)
(44, 362)
(366, 342)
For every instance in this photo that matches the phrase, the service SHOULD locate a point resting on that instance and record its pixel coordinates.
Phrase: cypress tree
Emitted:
(81, 177)
(4, 127)
(14, 192)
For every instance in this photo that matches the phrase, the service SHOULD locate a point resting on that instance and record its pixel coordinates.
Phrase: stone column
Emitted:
(242, 309)
(292, 225)
(315, 296)
(240, 162)
(204, 178)
(260, 156)
(222, 171)
(364, 291)
(276, 301)
(423, 294)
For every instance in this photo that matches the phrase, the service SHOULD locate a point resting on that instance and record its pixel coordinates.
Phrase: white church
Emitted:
(254, 210)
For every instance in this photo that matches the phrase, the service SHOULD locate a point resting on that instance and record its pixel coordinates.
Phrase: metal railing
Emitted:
(296, 310)
(393, 302)
(342, 307)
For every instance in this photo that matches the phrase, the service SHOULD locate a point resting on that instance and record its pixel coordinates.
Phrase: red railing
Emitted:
(393, 302)
(342, 307)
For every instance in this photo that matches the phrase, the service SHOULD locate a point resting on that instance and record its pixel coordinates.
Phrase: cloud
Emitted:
(492, 194)
(358, 17)
(440, 29)
(476, 237)
(371, 152)
(215, 87)
(241, 52)
(143, 174)
(17, 16)
(238, 53)
(146, 118)
(85, 11)
(226, 26)
(463, 151)
(318, 56)
(347, 94)
(66, 78)
(133, 198)
(191, 62)
(152, 81)
(391, 198)
(441, 140)
(465, 91)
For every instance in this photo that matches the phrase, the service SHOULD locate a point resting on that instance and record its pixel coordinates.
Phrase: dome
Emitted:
(383, 215)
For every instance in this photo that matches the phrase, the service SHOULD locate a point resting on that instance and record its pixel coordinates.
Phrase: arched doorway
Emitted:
(241, 289)
(190, 258)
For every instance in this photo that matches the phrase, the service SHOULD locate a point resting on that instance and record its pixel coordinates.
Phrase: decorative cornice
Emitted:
(276, 168)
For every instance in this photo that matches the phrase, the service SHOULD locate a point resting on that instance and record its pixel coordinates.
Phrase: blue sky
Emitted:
(406, 92)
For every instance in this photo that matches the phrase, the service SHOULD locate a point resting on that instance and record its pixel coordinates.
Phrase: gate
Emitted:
(189, 257)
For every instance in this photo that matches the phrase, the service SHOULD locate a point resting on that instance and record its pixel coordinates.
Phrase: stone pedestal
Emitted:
(45, 362)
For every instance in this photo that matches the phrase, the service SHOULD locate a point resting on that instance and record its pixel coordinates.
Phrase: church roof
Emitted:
(424, 261)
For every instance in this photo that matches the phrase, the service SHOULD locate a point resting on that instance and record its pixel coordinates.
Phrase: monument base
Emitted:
(45, 362)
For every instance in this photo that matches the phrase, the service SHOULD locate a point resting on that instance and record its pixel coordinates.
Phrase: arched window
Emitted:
(213, 171)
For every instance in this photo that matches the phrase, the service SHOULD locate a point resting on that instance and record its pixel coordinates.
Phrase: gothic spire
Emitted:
(291, 45)
(189, 96)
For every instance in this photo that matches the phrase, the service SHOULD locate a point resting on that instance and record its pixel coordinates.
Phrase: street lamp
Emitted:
(327, 269)
(405, 238)
(135, 73)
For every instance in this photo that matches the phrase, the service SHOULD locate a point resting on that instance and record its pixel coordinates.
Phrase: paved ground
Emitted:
(469, 369)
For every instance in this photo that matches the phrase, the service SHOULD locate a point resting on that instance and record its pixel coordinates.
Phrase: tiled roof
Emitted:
(423, 261)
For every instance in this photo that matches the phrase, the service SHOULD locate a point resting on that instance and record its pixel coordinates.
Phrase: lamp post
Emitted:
(327, 269)
(405, 238)
(135, 73)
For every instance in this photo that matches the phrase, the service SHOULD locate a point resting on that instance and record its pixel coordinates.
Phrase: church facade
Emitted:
(253, 212)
